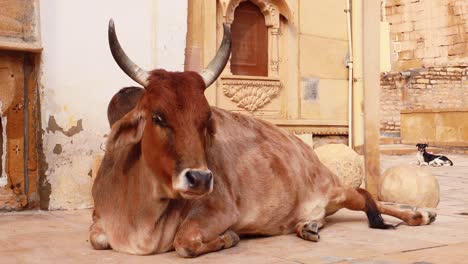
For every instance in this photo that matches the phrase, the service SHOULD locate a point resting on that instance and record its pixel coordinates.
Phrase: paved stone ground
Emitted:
(61, 236)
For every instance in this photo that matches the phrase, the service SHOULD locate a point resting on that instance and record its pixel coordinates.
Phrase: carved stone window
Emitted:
(251, 78)
(249, 41)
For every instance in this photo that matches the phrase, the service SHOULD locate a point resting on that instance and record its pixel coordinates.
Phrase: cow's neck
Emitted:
(156, 198)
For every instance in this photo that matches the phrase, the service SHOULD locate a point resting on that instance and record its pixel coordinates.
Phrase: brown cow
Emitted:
(179, 174)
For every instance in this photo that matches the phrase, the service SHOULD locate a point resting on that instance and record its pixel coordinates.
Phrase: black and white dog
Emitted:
(425, 158)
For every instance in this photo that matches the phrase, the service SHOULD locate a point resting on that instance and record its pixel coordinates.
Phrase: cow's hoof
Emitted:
(230, 239)
(310, 232)
(99, 241)
(422, 217)
(427, 217)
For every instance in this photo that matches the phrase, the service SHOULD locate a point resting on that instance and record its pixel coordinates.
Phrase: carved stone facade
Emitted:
(250, 94)
(299, 46)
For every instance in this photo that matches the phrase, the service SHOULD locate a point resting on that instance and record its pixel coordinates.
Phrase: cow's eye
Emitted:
(159, 120)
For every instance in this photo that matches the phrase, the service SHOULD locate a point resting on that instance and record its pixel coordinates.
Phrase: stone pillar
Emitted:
(371, 74)
(193, 47)
(274, 63)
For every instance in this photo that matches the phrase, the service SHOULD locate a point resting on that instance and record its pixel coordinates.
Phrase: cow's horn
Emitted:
(128, 66)
(216, 66)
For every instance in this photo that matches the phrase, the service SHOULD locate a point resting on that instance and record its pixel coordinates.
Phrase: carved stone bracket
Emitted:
(316, 130)
(250, 94)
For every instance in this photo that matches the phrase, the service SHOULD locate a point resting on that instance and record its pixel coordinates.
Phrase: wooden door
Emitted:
(19, 123)
(249, 41)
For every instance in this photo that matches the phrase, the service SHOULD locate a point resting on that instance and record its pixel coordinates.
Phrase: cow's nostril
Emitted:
(190, 178)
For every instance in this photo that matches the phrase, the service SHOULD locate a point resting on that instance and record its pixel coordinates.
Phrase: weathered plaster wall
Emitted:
(79, 77)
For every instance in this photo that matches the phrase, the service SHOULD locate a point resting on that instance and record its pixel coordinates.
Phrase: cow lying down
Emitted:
(179, 174)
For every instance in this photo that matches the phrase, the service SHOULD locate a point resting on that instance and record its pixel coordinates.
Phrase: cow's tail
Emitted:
(372, 211)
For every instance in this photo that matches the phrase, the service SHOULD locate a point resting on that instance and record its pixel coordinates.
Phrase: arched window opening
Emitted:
(249, 41)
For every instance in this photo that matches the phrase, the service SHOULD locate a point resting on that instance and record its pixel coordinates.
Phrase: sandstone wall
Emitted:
(430, 39)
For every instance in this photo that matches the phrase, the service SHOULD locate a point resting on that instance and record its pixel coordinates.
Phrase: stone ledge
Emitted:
(434, 110)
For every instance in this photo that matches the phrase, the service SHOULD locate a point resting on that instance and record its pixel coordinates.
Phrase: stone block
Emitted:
(402, 27)
(406, 55)
(457, 49)
(439, 126)
(419, 53)
(395, 19)
(390, 3)
(402, 65)
(388, 10)
(455, 20)
(455, 39)
(417, 35)
(414, 6)
(408, 45)
(420, 25)
(409, 185)
(448, 31)
(343, 161)
(398, 9)
(457, 10)
(424, 123)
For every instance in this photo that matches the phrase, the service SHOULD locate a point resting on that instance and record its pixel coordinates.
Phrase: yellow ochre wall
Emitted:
(312, 55)
(323, 49)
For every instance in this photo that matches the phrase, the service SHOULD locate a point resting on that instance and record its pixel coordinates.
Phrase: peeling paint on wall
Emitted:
(69, 154)
(57, 149)
(52, 126)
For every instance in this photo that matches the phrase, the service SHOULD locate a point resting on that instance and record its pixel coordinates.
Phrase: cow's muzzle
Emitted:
(194, 183)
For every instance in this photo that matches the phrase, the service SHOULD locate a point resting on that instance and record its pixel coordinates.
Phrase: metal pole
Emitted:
(27, 73)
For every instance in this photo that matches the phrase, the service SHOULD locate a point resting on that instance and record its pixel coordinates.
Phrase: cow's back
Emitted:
(269, 173)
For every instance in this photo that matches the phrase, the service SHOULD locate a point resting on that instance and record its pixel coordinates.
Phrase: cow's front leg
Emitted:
(197, 237)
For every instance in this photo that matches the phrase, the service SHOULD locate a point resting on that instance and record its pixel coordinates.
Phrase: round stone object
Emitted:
(409, 185)
(343, 161)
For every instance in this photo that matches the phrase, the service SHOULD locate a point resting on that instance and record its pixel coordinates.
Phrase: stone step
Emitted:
(392, 134)
(401, 149)
(390, 140)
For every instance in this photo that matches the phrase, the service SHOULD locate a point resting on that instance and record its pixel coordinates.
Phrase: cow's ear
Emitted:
(128, 130)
